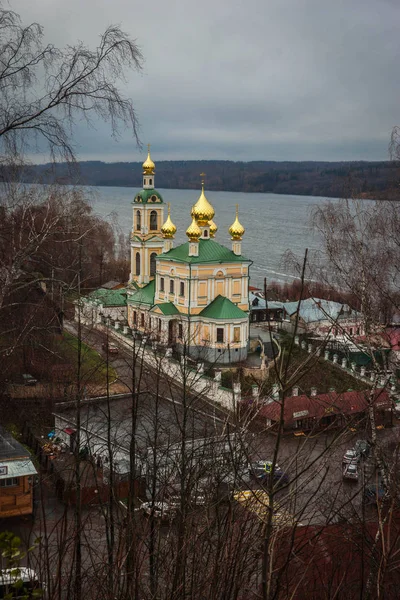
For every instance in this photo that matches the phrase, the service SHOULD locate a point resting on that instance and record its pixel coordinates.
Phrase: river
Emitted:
(274, 223)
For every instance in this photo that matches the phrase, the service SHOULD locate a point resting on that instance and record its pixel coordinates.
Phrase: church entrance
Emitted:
(171, 332)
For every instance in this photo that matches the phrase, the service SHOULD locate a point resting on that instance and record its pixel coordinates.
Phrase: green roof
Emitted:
(144, 196)
(144, 295)
(209, 252)
(167, 308)
(222, 308)
(109, 297)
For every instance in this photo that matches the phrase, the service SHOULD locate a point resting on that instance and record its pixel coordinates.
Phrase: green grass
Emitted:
(93, 366)
(319, 373)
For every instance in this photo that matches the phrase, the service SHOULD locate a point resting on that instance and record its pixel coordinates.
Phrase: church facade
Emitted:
(193, 297)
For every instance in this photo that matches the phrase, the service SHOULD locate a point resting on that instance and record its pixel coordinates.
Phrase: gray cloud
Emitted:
(270, 79)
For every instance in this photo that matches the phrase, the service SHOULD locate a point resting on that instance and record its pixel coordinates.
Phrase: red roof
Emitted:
(322, 405)
(392, 336)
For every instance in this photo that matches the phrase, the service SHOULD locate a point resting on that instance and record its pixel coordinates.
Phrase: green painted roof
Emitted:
(209, 252)
(144, 196)
(167, 308)
(144, 295)
(222, 308)
(109, 297)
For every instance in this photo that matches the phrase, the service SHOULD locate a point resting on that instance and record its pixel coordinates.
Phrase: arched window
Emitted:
(137, 258)
(153, 257)
(138, 220)
(153, 220)
(150, 182)
(205, 233)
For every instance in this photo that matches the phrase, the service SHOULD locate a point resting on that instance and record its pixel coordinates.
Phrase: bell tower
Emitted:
(146, 236)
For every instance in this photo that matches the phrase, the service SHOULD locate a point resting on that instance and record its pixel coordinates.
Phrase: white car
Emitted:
(160, 510)
(351, 456)
(350, 471)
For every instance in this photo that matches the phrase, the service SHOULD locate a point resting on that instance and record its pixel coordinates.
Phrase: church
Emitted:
(193, 297)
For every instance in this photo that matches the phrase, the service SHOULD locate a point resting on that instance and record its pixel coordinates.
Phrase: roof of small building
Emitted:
(210, 251)
(167, 308)
(322, 405)
(259, 303)
(9, 447)
(112, 285)
(144, 295)
(222, 308)
(108, 297)
(317, 309)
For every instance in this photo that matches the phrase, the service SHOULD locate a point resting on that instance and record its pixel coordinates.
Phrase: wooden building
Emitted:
(16, 477)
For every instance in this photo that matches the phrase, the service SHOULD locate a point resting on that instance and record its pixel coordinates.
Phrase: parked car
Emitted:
(28, 379)
(21, 582)
(351, 471)
(261, 471)
(110, 348)
(373, 493)
(351, 456)
(362, 447)
(160, 510)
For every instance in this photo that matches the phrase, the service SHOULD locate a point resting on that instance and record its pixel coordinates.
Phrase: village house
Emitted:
(16, 477)
(322, 317)
(302, 412)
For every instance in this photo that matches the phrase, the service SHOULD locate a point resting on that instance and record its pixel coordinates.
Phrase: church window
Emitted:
(182, 288)
(138, 220)
(150, 182)
(205, 233)
(161, 284)
(153, 257)
(153, 220)
(220, 335)
(154, 198)
(134, 317)
(137, 263)
(236, 334)
(180, 331)
(171, 286)
(159, 325)
(142, 320)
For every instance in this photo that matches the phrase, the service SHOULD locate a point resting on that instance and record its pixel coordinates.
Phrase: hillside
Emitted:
(334, 179)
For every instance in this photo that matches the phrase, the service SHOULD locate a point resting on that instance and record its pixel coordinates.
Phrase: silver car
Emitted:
(350, 472)
(351, 456)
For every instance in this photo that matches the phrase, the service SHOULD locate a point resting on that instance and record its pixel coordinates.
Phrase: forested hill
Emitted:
(335, 179)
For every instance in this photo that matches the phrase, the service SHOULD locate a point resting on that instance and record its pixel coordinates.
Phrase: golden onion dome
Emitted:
(213, 228)
(202, 210)
(236, 230)
(148, 165)
(193, 231)
(168, 229)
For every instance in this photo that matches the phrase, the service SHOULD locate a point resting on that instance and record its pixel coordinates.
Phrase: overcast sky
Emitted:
(240, 80)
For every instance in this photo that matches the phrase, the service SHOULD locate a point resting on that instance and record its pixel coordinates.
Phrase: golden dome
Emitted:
(193, 231)
(213, 228)
(168, 229)
(148, 165)
(202, 210)
(236, 230)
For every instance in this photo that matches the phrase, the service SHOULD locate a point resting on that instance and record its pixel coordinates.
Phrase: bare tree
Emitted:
(43, 89)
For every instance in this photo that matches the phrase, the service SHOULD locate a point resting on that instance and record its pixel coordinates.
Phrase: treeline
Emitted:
(330, 179)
